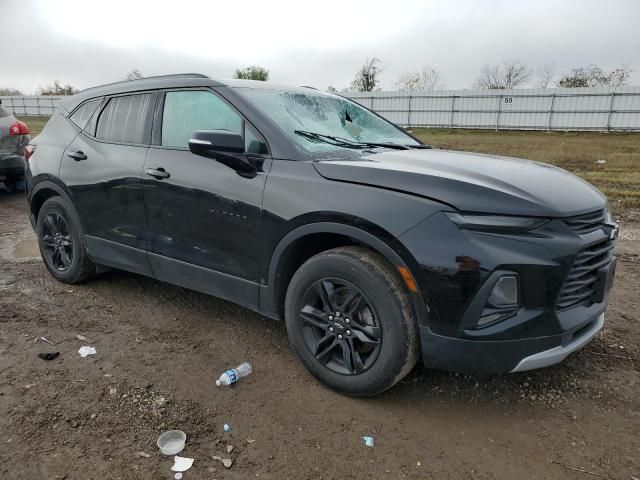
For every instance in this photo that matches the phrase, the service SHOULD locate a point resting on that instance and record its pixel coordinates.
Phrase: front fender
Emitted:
(268, 292)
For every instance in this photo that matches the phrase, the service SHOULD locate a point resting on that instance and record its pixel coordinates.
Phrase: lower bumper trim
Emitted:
(559, 353)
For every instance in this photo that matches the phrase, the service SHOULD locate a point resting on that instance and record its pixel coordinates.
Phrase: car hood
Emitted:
(472, 182)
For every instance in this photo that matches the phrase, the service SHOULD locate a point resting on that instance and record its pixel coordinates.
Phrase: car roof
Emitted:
(168, 81)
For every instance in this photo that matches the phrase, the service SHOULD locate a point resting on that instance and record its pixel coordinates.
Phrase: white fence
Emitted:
(36, 105)
(599, 109)
(579, 109)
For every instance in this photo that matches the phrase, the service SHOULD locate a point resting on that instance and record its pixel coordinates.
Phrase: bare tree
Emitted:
(367, 79)
(594, 76)
(620, 76)
(252, 73)
(332, 89)
(57, 89)
(134, 74)
(9, 92)
(511, 73)
(427, 79)
(544, 75)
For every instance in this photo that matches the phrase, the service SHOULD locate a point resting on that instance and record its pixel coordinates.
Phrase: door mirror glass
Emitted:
(225, 147)
(209, 142)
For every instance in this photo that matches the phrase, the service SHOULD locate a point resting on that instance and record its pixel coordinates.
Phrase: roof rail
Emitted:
(157, 77)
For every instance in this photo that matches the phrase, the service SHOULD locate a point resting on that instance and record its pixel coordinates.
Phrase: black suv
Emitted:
(374, 248)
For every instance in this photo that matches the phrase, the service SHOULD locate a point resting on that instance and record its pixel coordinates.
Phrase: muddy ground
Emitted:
(159, 349)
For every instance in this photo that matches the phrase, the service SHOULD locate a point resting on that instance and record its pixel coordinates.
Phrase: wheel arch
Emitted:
(288, 256)
(43, 191)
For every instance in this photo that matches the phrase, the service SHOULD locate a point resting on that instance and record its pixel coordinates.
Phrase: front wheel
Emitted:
(350, 321)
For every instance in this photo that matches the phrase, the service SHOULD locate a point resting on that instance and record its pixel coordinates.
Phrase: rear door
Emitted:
(103, 169)
(203, 218)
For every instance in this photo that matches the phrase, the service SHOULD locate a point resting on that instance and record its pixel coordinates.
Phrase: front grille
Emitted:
(580, 282)
(588, 222)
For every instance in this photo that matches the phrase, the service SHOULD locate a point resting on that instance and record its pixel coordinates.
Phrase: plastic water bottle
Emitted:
(232, 375)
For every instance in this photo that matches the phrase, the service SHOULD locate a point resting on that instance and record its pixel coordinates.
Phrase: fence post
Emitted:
(499, 110)
(409, 112)
(553, 99)
(371, 101)
(613, 94)
(453, 109)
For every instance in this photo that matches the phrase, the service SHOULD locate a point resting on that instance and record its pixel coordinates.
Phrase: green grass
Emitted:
(36, 124)
(618, 178)
(577, 152)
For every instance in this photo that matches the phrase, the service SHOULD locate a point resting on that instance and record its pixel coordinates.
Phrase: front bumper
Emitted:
(502, 356)
(559, 353)
(455, 277)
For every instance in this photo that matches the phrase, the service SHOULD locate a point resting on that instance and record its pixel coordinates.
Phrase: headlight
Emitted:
(495, 223)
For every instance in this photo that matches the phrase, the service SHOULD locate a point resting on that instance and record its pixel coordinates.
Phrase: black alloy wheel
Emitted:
(58, 242)
(340, 326)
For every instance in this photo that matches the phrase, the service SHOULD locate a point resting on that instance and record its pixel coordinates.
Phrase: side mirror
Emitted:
(225, 147)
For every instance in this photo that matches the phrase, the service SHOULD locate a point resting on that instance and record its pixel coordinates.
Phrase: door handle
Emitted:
(158, 173)
(77, 156)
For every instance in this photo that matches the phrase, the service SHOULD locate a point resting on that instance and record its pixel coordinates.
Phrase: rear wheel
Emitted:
(350, 322)
(14, 183)
(59, 239)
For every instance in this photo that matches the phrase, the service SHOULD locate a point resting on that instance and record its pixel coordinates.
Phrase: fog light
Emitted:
(505, 292)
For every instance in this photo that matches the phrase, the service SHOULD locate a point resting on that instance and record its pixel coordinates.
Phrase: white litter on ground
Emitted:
(84, 351)
(181, 464)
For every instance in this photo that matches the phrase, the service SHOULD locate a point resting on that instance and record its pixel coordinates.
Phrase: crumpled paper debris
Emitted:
(181, 464)
(84, 351)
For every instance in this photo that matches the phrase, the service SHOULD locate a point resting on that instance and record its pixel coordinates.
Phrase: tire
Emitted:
(9, 185)
(58, 228)
(377, 347)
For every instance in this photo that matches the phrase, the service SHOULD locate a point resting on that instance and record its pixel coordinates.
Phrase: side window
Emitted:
(188, 111)
(124, 119)
(90, 128)
(82, 115)
(252, 143)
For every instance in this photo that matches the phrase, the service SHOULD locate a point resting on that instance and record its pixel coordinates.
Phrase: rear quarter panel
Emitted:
(50, 146)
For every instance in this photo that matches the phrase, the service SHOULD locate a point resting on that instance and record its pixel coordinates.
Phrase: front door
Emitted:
(203, 218)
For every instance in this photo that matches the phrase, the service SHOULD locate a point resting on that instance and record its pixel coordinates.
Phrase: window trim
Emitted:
(75, 110)
(158, 117)
(148, 121)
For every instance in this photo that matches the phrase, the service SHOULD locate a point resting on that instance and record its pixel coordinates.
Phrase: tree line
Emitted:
(510, 73)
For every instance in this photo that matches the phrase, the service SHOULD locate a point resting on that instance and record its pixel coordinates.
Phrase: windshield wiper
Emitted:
(345, 142)
(331, 140)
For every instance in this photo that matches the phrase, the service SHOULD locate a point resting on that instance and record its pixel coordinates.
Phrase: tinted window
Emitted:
(253, 144)
(123, 120)
(186, 112)
(82, 115)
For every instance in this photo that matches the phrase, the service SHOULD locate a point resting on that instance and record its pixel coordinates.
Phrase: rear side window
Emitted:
(82, 115)
(189, 111)
(3, 113)
(124, 119)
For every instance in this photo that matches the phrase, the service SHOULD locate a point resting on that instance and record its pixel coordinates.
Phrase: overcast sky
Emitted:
(86, 43)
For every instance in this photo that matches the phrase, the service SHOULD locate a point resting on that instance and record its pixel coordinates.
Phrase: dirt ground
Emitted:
(160, 348)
